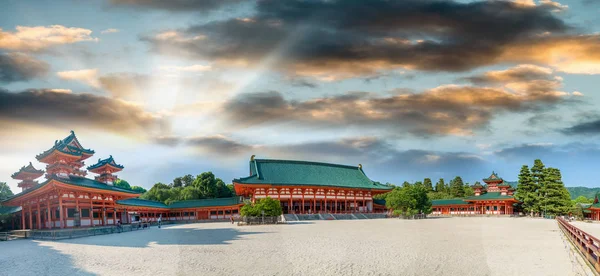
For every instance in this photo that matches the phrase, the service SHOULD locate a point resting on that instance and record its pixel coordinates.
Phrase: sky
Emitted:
(409, 89)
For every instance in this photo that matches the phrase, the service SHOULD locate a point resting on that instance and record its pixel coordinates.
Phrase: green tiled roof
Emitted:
(212, 202)
(9, 210)
(78, 181)
(107, 161)
(493, 177)
(142, 203)
(454, 201)
(64, 147)
(28, 169)
(490, 195)
(305, 173)
(379, 201)
(90, 183)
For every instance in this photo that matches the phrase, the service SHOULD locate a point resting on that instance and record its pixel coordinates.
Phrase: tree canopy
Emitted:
(542, 191)
(409, 200)
(205, 185)
(5, 191)
(270, 207)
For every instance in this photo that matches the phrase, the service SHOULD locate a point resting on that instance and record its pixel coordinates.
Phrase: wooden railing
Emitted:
(587, 244)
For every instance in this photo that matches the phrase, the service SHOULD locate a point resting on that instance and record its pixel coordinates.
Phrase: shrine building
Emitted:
(495, 198)
(311, 187)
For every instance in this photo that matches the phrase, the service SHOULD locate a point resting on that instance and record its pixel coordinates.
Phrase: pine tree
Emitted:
(428, 184)
(526, 190)
(440, 186)
(457, 187)
(557, 199)
(537, 178)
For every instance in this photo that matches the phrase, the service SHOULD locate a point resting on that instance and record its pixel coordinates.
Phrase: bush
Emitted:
(269, 206)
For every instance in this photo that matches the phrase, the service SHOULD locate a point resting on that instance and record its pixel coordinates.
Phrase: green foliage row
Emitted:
(205, 185)
(542, 191)
(267, 206)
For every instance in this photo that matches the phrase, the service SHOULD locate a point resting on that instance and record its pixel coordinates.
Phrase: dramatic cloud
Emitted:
(42, 37)
(87, 76)
(584, 128)
(176, 5)
(450, 109)
(20, 67)
(520, 73)
(340, 39)
(66, 110)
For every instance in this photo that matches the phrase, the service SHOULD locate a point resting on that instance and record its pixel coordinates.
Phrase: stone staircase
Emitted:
(343, 216)
(329, 216)
(290, 217)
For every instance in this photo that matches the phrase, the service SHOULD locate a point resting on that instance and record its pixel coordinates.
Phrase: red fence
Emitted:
(587, 244)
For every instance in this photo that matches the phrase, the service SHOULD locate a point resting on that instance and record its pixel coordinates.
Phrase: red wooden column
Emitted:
(314, 200)
(39, 214)
(302, 209)
(91, 210)
(49, 212)
(335, 209)
(62, 218)
(355, 205)
(30, 216)
(23, 216)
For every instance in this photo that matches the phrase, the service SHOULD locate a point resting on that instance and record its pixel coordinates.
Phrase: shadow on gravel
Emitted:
(298, 222)
(165, 236)
(27, 257)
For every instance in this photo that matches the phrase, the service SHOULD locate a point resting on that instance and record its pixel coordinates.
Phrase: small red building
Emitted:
(496, 198)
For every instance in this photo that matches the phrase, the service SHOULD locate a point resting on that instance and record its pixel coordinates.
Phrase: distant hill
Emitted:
(582, 191)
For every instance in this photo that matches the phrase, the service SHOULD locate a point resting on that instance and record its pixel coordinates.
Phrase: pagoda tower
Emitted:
(492, 182)
(27, 175)
(105, 168)
(65, 158)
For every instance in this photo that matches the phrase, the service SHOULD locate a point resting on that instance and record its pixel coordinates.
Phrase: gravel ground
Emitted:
(442, 246)
(590, 228)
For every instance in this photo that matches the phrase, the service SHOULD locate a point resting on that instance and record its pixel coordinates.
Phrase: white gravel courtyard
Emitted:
(442, 246)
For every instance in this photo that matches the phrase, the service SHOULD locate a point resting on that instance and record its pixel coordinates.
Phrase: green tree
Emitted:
(190, 193)
(527, 191)
(222, 189)
(270, 207)
(138, 189)
(582, 200)
(537, 178)
(121, 183)
(5, 191)
(410, 200)
(177, 182)
(428, 184)
(457, 187)
(231, 189)
(440, 186)
(469, 191)
(187, 180)
(159, 192)
(207, 183)
(556, 199)
(405, 184)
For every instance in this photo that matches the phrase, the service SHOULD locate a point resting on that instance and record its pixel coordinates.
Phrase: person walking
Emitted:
(231, 219)
(159, 220)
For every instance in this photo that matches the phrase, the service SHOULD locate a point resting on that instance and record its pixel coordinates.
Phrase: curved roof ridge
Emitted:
(306, 162)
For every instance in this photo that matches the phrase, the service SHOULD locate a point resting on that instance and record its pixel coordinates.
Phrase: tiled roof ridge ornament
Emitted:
(252, 157)
(360, 166)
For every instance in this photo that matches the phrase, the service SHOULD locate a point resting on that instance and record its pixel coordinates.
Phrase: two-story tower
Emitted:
(105, 168)
(65, 157)
(27, 175)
